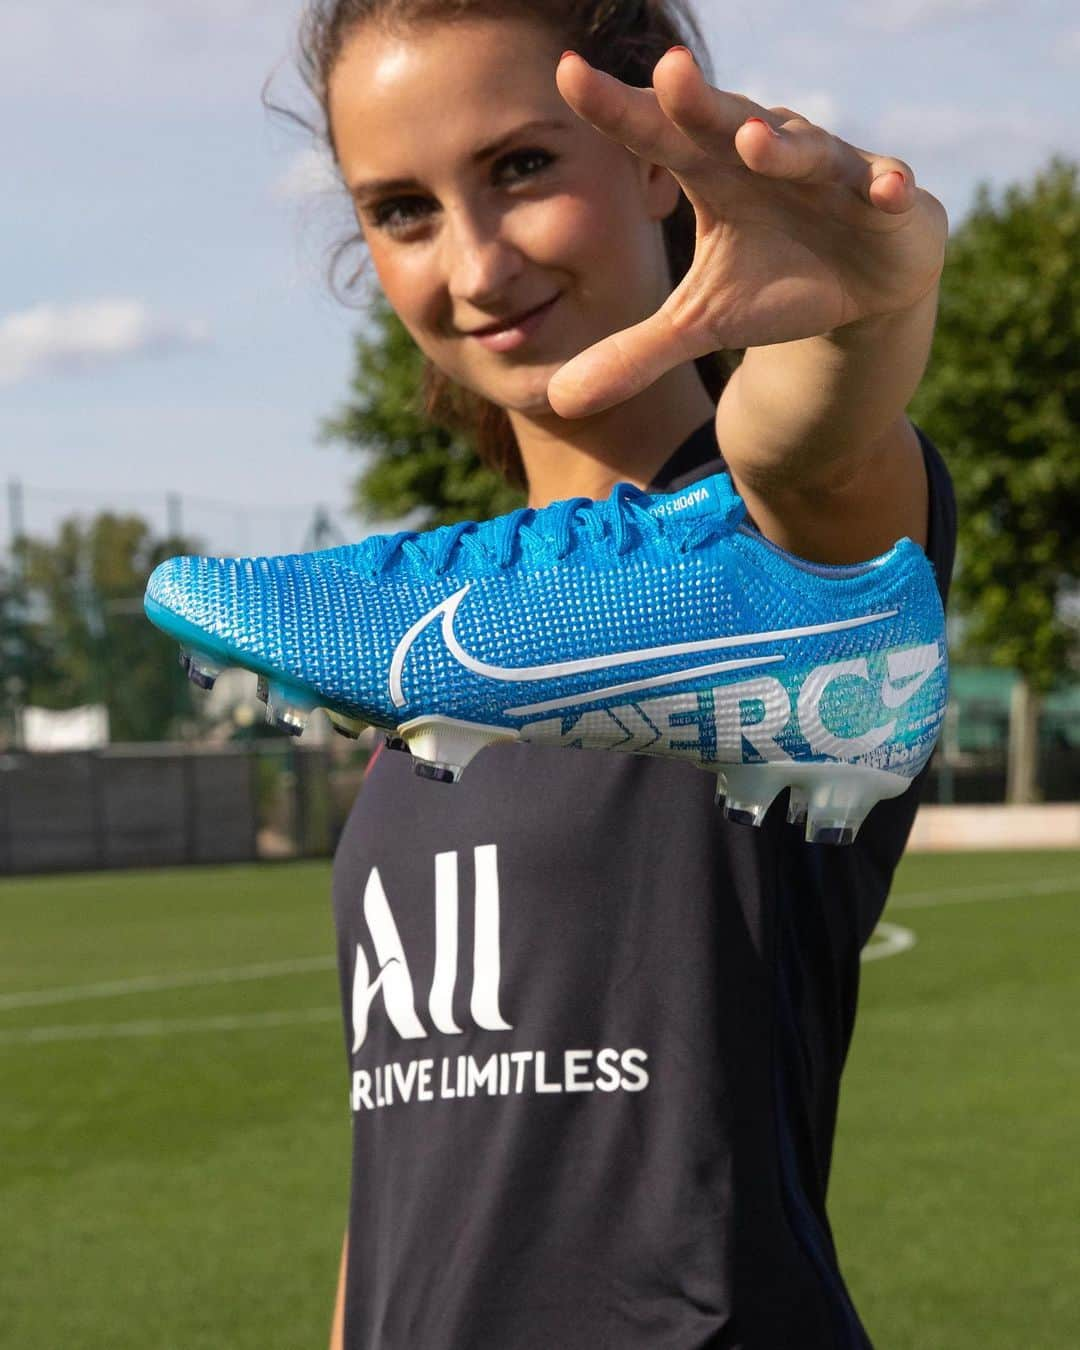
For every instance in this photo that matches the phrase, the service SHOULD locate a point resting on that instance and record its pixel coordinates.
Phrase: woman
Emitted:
(595, 1029)
(685, 1207)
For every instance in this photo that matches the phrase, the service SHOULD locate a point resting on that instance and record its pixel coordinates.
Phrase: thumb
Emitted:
(618, 367)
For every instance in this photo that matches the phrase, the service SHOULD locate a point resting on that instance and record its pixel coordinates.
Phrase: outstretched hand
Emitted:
(798, 232)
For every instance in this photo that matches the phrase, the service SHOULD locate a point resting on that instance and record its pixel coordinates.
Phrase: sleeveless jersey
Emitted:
(594, 1036)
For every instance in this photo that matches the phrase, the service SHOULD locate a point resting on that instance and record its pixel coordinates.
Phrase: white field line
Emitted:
(892, 940)
(998, 890)
(166, 1027)
(145, 984)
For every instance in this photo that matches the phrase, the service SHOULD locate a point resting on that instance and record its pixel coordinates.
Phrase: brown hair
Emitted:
(625, 38)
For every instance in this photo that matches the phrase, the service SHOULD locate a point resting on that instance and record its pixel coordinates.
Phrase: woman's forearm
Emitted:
(799, 415)
(337, 1330)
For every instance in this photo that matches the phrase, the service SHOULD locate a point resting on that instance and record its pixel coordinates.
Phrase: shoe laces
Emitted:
(552, 530)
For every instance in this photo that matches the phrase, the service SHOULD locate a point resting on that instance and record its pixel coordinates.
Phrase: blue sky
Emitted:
(164, 321)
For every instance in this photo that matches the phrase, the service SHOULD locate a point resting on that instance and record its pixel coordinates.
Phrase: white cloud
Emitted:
(56, 339)
(309, 173)
(816, 105)
(131, 50)
(903, 15)
(933, 129)
(1067, 48)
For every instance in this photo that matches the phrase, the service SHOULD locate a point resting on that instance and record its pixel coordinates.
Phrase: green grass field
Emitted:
(174, 1153)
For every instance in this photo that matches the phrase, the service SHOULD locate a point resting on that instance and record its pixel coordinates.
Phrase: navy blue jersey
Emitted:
(595, 1034)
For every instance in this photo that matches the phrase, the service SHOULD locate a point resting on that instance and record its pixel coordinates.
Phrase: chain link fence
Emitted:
(171, 805)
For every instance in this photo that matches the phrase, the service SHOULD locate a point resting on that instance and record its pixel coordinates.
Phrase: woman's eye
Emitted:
(398, 213)
(525, 156)
(387, 215)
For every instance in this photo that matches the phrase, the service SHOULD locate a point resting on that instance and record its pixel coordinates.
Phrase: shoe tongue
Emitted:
(709, 498)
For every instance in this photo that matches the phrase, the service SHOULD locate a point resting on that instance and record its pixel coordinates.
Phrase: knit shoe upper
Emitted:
(659, 623)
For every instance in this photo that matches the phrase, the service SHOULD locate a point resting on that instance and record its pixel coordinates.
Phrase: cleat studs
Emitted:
(830, 834)
(200, 670)
(745, 813)
(349, 727)
(198, 675)
(829, 799)
(744, 793)
(442, 747)
(437, 773)
(287, 710)
(290, 720)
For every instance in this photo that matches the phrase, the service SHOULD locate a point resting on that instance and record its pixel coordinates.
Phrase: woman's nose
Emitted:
(483, 262)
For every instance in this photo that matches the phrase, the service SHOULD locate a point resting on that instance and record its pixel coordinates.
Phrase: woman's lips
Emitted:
(506, 339)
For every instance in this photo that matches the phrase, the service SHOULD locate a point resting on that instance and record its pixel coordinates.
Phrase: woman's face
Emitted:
(469, 235)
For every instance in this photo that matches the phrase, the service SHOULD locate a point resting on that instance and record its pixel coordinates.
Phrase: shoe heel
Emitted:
(442, 747)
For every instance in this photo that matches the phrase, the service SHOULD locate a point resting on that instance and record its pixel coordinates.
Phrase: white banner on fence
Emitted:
(65, 729)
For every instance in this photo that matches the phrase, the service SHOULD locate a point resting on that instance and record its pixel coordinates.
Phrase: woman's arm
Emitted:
(820, 261)
(817, 441)
(337, 1330)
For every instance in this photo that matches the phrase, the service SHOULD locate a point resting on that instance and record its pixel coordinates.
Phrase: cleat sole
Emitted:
(831, 801)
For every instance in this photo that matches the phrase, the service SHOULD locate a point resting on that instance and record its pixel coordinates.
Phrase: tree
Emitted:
(86, 624)
(21, 650)
(414, 470)
(1001, 397)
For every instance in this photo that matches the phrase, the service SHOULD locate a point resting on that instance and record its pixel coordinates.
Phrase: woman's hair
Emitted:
(625, 38)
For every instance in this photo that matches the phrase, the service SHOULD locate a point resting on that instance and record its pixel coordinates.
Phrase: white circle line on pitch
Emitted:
(891, 941)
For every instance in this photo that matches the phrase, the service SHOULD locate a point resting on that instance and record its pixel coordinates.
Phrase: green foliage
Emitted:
(413, 470)
(1001, 397)
(22, 649)
(84, 622)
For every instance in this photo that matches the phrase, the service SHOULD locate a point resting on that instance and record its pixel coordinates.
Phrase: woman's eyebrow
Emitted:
(373, 187)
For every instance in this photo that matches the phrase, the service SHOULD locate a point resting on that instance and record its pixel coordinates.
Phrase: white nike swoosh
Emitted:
(915, 666)
(448, 608)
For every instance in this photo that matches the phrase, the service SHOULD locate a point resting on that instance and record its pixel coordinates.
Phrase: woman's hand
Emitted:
(798, 232)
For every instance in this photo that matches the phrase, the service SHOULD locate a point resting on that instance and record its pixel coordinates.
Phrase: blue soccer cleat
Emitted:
(653, 624)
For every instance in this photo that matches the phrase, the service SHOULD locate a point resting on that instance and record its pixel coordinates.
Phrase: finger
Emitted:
(890, 184)
(620, 366)
(796, 150)
(709, 117)
(630, 116)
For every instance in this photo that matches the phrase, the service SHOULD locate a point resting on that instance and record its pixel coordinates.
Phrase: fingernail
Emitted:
(566, 54)
(687, 50)
(762, 123)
